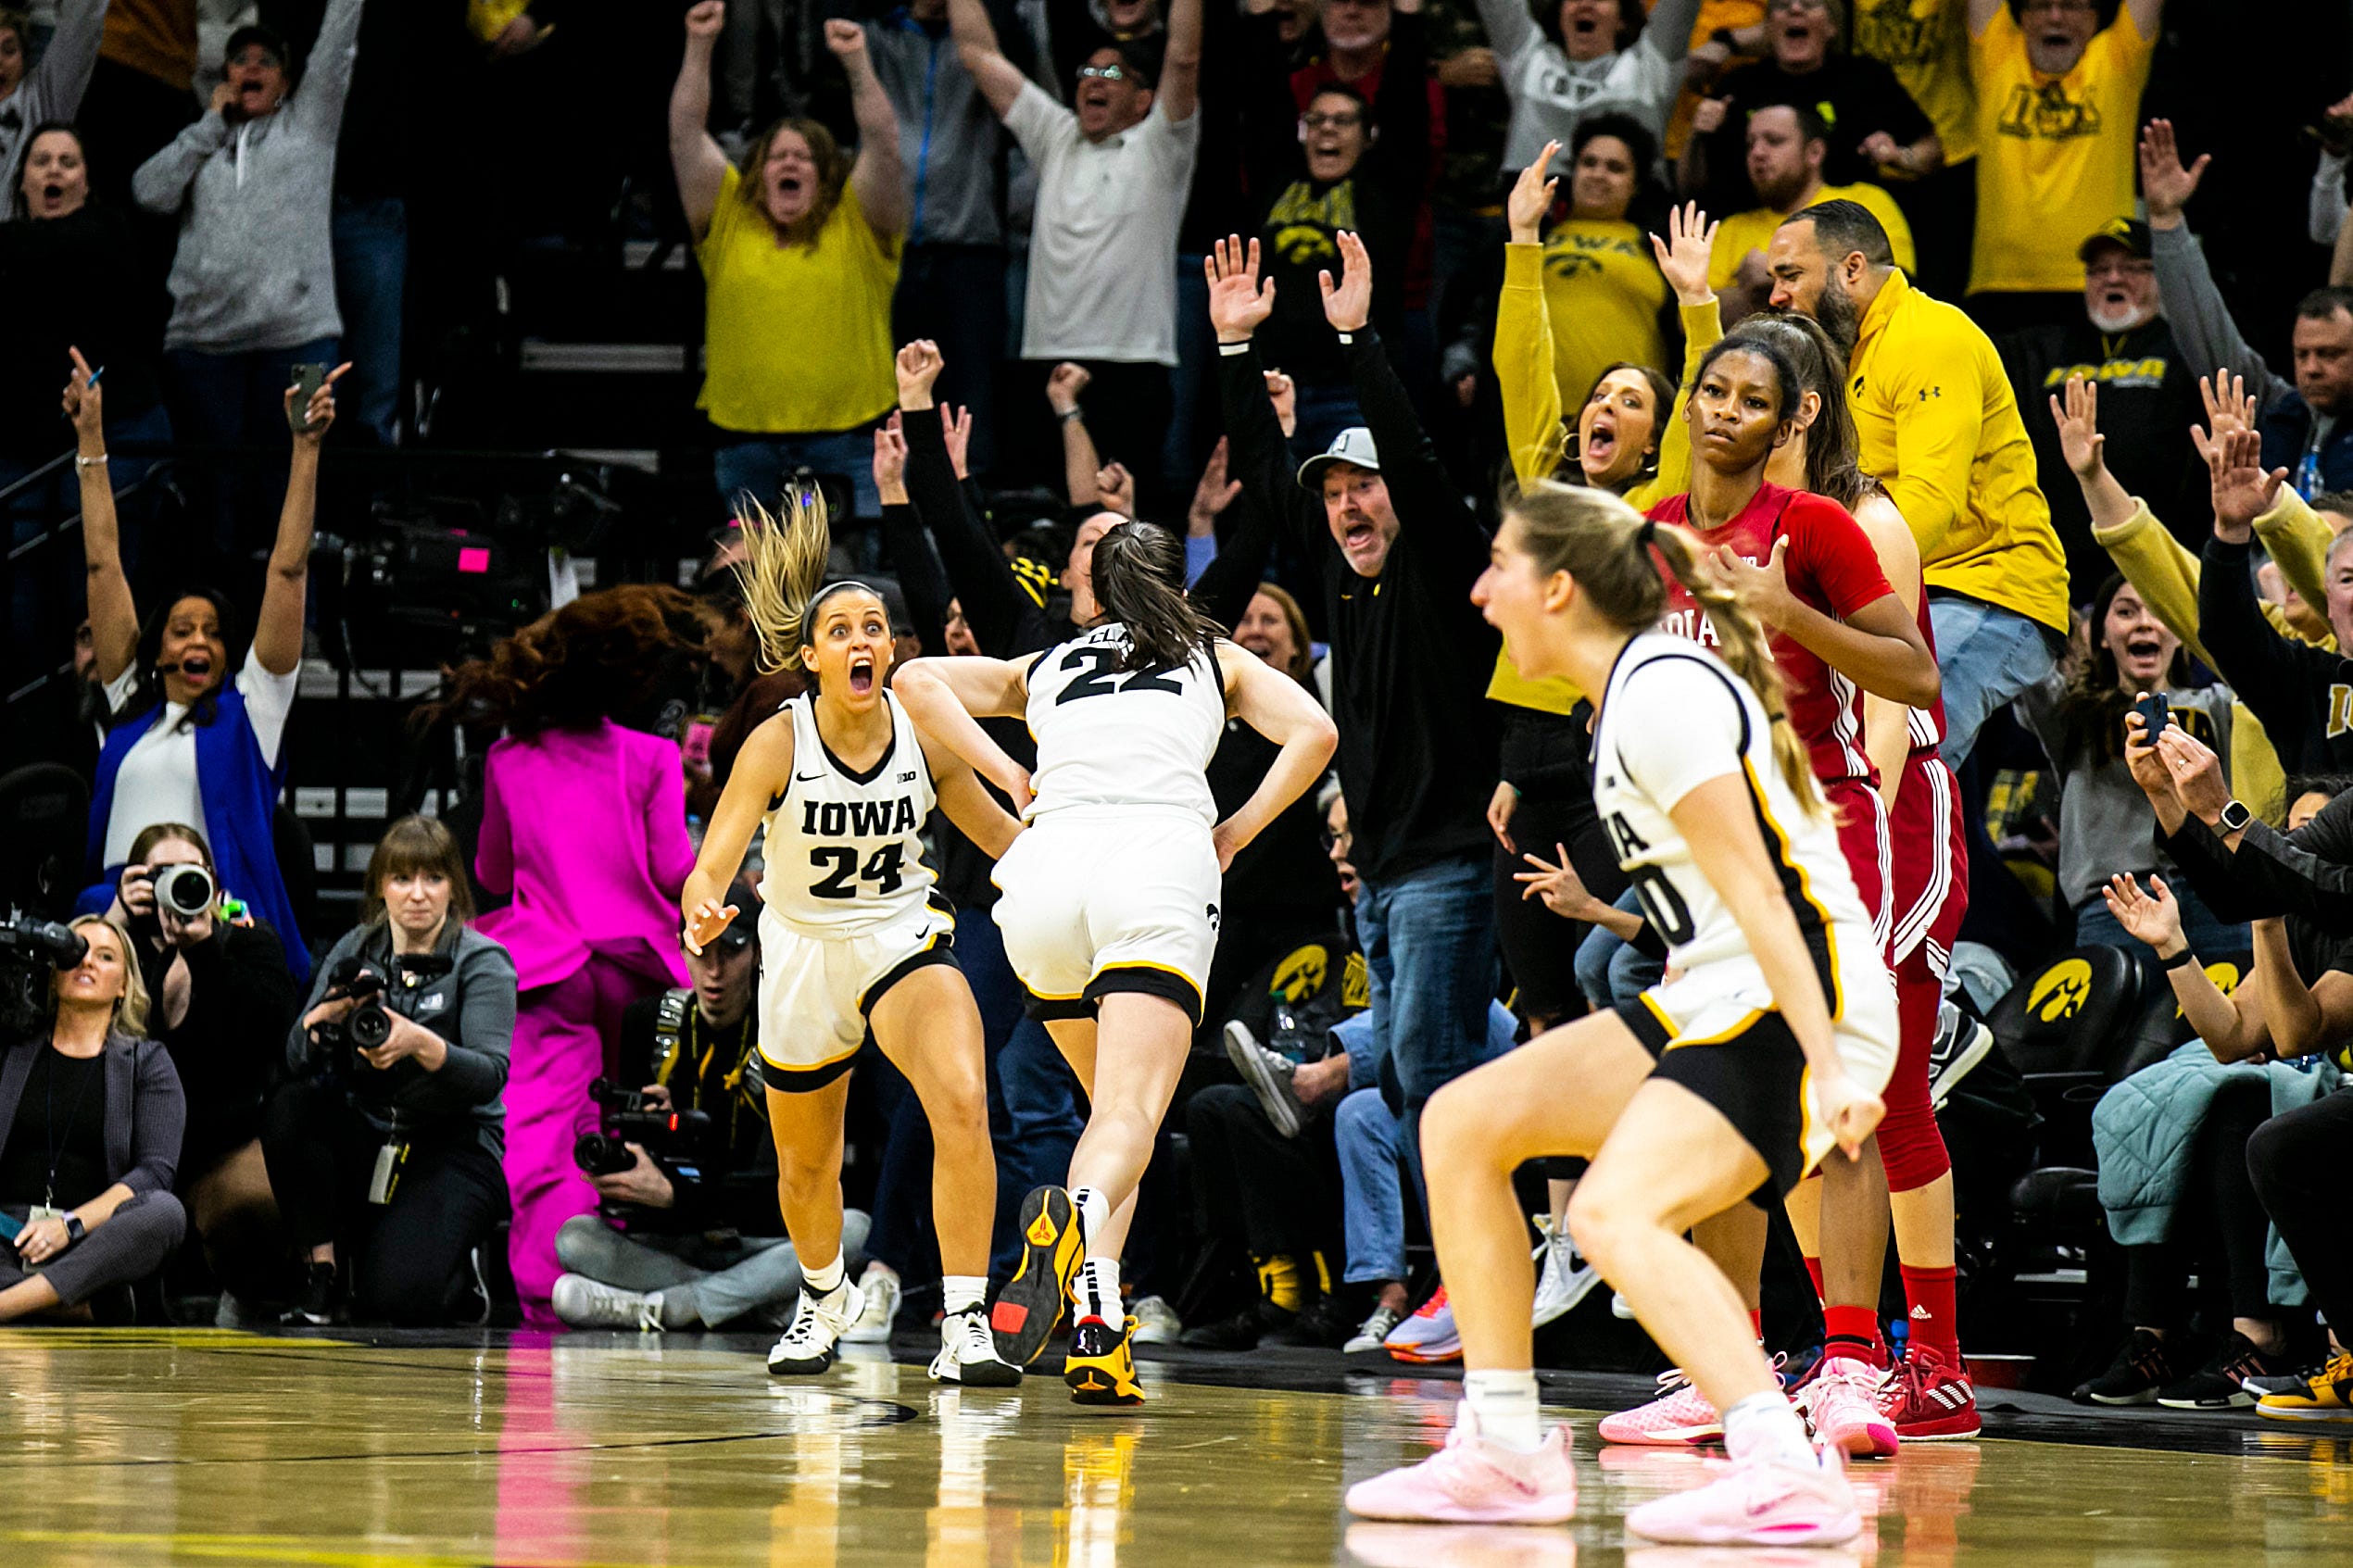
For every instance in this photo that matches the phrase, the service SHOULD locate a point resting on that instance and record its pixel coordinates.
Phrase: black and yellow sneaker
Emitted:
(2326, 1394)
(1031, 1305)
(1100, 1367)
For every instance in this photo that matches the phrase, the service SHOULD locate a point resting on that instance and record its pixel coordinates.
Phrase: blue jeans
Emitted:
(1371, 1140)
(1986, 655)
(1610, 971)
(1189, 383)
(1033, 1096)
(371, 266)
(761, 464)
(1428, 938)
(237, 400)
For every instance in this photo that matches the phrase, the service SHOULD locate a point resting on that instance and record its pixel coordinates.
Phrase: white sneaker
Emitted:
(1619, 1307)
(881, 1289)
(1156, 1322)
(1567, 1278)
(583, 1302)
(818, 1323)
(968, 1354)
(1374, 1333)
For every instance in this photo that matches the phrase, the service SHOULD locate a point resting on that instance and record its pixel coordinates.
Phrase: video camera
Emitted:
(369, 1024)
(31, 950)
(671, 1137)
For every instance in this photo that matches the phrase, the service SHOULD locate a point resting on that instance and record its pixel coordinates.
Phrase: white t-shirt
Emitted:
(1552, 94)
(1103, 251)
(157, 781)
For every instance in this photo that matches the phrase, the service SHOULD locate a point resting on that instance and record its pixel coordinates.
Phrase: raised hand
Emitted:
(1348, 304)
(890, 458)
(1709, 116)
(1116, 489)
(1532, 198)
(2081, 442)
(319, 412)
(2153, 917)
(1237, 302)
(1555, 882)
(1882, 150)
(2229, 406)
(706, 18)
(85, 406)
(2149, 768)
(1064, 386)
(845, 38)
(1684, 254)
(2243, 491)
(918, 365)
(1283, 393)
(1212, 495)
(2198, 773)
(2167, 185)
(956, 430)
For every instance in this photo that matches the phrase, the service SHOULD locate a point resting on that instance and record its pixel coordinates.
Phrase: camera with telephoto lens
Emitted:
(369, 1024)
(669, 1136)
(186, 890)
(32, 952)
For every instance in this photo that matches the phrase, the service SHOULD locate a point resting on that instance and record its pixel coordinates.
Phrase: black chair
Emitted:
(2063, 1027)
(2162, 1029)
(44, 821)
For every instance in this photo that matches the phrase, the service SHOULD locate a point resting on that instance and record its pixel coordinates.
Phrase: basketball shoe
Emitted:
(1841, 1399)
(2327, 1395)
(1928, 1401)
(1033, 1301)
(1428, 1336)
(968, 1354)
(1681, 1414)
(809, 1346)
(1756, 1502)
(1472, 1481)
(1101, 1365)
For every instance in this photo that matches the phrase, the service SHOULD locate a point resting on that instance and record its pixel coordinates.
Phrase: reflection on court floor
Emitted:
(135, 1447)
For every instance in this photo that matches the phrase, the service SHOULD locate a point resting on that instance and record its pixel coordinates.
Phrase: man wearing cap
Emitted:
(2148, 399)
(704, 1245)
(253, 281)
(1397, 551)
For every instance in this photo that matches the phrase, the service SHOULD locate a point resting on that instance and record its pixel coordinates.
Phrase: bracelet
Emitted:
(1066, 415)
(2186, 956)
(97, 462)
(1348, 337)
(1229, 349)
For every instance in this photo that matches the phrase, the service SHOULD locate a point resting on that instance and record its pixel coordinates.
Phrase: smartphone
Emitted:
(10, 1226)
(2154, 714)
(308, 379)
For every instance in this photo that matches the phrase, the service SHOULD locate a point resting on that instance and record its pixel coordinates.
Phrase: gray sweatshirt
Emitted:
(50, 90)
(949, 137)
(255, 268)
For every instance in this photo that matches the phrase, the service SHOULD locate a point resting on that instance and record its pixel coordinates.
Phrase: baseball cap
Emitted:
(2130, 234)
(254, 33)
(744, 928)
(1354, 444)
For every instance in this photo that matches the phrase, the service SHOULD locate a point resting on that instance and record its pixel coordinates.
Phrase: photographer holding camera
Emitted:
(222, 999)
(92, 1112)
(384, 1145)
(704, 1243)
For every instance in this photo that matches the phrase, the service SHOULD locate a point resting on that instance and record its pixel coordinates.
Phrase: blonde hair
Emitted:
(1608, 548)
(783, 566)
(130, 1007)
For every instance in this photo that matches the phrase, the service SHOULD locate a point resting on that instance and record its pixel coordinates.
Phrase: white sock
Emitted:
(1765, 1427)
(962, 1293)
(1099, 1291)
(1094, 1211)
(824, 1281)
(1505, 1403)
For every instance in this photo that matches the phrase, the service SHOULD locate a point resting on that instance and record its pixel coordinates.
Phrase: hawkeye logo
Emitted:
(2062, 990)
(1578, 255)
(2047, 113)
(1301, 974)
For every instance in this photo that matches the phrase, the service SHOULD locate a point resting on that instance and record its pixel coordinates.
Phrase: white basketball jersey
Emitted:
(845, 849)
(1111, 738)
(1673, 718)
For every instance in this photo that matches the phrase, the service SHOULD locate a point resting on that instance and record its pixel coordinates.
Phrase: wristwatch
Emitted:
(2235, 816)
(75, 1230)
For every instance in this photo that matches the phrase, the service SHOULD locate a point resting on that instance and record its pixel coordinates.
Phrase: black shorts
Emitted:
(1755, 1080)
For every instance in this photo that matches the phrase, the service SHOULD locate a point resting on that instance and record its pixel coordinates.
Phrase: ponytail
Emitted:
(784, 562)
(1614, 555)
(1139, 572)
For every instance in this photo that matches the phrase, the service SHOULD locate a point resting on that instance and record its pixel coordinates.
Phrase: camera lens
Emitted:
(370, 1025)
(185, 890)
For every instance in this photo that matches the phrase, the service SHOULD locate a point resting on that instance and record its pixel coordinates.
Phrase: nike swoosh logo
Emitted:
(808, 778)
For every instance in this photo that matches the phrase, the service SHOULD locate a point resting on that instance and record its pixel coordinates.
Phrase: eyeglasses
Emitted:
(1343, 842)
(1101, 73)
(1344, 122)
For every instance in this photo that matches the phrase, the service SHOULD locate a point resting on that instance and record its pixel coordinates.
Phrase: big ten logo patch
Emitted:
(1302, 973)
(2047, 113)
(2062, 990)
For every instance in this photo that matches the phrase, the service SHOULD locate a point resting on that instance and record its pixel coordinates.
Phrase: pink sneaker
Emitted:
(1680, 1414)
(1757, 1504)
(1841, 1400)
(1471, 1481)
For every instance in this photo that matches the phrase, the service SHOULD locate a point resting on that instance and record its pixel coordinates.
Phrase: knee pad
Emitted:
(1911, 1147)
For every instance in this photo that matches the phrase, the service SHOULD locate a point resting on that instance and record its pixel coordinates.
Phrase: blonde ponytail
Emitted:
(784, 564)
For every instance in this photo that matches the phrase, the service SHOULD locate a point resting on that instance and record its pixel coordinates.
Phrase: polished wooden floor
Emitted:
(128, 1447)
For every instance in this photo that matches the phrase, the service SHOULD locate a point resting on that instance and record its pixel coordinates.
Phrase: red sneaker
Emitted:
(1929, 1401)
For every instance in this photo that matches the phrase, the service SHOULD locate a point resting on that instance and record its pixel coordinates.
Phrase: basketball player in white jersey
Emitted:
(1724, 1083)
(852, 937)
(1110, 906)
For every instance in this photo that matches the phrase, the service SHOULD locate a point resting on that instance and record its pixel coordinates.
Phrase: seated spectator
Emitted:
(1786, 145)
(189, 745)
(1585, 57)
(1112, 179)
(693, 1242)
(99, 1171)
(2173, 1141)
(2148, 397)
(385, 1155)
(35, 94)
(253, 284)
(1604, 297)
(2303, 422)
(2058, 98)
(589, 934)
(800, 247)
(1877, 131)
(221, 1002)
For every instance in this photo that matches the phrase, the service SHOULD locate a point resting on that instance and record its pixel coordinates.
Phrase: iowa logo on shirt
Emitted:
(1891, 33)
(2047, 113)
(1305, 223)
(1576, 256)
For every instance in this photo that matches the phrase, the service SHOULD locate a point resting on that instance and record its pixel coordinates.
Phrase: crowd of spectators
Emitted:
(1315, 277)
